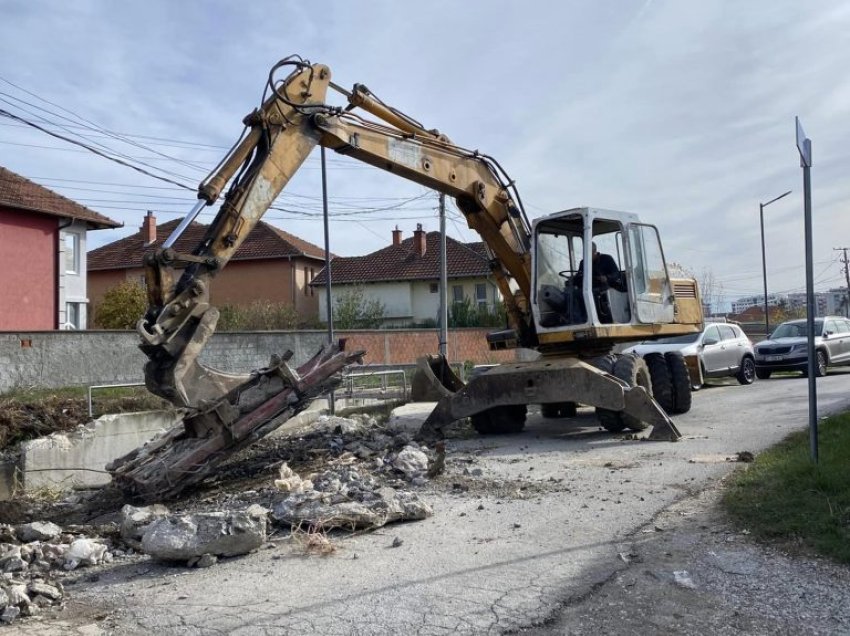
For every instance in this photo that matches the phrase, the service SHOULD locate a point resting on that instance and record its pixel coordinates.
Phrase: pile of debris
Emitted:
(32, 556)
(345, 473)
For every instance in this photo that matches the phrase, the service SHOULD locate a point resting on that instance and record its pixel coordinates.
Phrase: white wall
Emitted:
(72, 285)
(396, 298)
(410, 302)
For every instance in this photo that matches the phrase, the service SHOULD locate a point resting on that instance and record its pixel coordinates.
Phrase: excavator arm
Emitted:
(291, 121)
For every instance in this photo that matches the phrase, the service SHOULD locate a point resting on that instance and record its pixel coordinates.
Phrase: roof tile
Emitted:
(19, 192)
(400, 262)
(264, 241)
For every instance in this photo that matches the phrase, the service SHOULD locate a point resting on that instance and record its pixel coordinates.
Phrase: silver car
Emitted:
(787, 347)
(722, 350)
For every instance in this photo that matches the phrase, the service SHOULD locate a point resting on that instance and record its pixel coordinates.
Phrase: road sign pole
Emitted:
(804, 145)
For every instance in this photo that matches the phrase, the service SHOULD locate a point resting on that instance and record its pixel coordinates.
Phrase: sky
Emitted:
(682, 112)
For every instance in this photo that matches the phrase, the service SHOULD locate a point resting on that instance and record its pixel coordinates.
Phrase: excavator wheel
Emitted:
(604, 363)
(662, 380)
(681, 382)
(632, 370)
(500, 420)
(558, 409)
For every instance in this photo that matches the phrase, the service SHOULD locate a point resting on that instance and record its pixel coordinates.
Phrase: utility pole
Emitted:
(328, 296)
(444, 283)
(846, 277)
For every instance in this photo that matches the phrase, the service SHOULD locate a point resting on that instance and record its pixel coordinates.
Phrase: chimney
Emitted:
(149, 229)
(419, 240)
(396, 236)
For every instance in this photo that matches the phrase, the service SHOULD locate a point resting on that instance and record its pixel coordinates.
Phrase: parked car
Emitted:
(722, 349)
(787, 347)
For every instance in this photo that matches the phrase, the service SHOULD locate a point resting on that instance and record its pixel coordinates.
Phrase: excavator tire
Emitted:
(604, 363)
(681, 382)
(633, 371)
(558, 409)
(500, 420)
(662, 380)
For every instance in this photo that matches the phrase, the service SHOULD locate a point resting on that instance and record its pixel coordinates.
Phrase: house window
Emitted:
(481, 295)
(72, 316)
(433, 288)
(457, 293)
(72, 253)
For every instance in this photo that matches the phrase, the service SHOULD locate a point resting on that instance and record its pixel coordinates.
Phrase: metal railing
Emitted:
(108, 386)
(375, 385)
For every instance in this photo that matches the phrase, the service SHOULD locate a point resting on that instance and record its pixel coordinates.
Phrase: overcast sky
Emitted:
(680, 111)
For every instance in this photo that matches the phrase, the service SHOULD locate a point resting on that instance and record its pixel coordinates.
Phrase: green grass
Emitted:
(784, 497)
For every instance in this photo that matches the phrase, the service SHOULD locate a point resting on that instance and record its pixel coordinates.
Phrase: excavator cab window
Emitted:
(651, 285)
(610, 281)
(559, 251)
(561, 295)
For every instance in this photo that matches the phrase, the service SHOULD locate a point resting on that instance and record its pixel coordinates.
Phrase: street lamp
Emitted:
(762, 206)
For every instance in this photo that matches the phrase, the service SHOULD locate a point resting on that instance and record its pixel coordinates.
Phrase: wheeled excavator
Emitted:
(572, 320)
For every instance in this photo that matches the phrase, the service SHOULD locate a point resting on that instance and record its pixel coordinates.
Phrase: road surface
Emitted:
(537, 519)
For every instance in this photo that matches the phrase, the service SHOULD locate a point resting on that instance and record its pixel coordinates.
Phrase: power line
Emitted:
(6, 113)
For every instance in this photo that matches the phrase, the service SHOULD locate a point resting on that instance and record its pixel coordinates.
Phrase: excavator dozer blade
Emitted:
(539, 382)
(187, 454)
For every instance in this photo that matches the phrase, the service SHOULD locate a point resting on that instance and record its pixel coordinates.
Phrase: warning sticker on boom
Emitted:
(404, 152)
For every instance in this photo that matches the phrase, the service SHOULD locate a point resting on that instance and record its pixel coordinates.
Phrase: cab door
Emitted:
(650, 289)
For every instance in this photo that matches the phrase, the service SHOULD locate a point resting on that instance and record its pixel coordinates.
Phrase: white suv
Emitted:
(722, 349)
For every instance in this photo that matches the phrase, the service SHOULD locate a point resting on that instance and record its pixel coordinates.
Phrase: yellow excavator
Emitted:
(573, 315)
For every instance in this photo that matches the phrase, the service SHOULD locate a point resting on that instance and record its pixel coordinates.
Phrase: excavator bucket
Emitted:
(187, 454)
(540, 382)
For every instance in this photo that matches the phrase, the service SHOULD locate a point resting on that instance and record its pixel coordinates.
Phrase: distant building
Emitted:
(742, 304)
(838, 303)
(42, 256)
(270, 265)
(405, 275)
(822, 306)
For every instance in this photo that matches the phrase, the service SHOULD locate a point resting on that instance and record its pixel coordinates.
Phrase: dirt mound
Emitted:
(24, 419)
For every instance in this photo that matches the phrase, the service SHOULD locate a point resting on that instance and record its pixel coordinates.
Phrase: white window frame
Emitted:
(75, 252)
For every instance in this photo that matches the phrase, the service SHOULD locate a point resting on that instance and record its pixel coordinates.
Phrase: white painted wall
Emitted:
(396, 298)
(408, 302)
(72, 284)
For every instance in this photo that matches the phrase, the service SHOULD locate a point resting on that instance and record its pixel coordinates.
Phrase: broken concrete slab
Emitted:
(184, 537)
(79, 458)
(343, 498)
(135, 521)
(410, 417)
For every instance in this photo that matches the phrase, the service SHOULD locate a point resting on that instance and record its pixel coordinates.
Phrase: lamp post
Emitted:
(762, 206)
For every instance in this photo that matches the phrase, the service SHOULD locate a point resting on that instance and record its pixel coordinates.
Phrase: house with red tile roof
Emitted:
(405, 275)
(270, 265)
(42, 262)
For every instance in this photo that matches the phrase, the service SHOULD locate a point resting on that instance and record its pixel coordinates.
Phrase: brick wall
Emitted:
(73, 358)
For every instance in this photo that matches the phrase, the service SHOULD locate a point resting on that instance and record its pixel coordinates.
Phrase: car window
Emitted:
(845, 325)
(832, 327)
(727, 332)
(712, 332)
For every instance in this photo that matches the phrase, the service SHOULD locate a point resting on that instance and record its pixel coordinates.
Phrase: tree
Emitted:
(354, 310)
(122, 306)
(259, 315)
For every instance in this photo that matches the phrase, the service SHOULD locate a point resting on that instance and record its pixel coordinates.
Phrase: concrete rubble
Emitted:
(190, 537)
(33, 556)
(366, 473)
(343, 498)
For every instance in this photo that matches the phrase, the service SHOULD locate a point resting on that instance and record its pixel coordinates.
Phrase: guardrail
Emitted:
(108, 386)
(375, 385)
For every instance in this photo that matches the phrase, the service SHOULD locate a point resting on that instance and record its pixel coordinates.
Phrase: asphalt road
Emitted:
(540, 525)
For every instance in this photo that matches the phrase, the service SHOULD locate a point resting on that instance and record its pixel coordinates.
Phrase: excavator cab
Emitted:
(597, 273)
